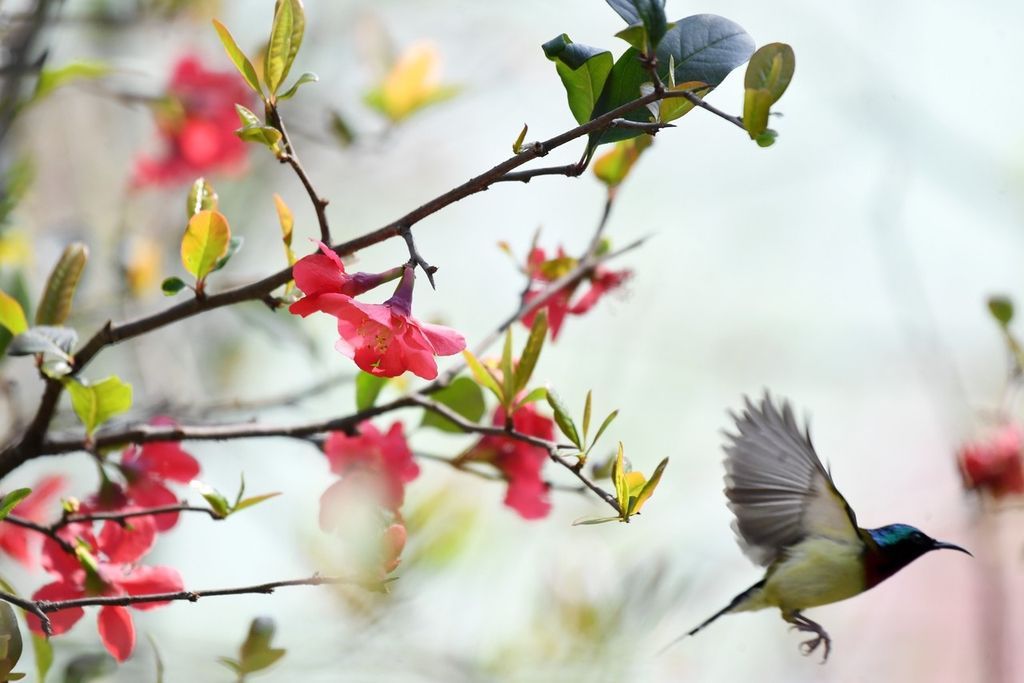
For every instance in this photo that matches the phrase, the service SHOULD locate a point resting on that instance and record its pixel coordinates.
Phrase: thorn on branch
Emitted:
(414, 256)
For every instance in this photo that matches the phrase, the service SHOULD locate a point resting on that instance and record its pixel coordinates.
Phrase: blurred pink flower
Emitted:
(197, 124)
(994, 464)
(23, 544)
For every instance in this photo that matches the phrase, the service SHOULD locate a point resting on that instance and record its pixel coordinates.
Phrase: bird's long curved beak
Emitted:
(939, 545)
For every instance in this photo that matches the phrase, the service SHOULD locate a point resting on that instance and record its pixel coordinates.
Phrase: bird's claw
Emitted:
(808, 647)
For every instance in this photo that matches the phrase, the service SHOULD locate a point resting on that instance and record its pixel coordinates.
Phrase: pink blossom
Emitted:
(24, 544)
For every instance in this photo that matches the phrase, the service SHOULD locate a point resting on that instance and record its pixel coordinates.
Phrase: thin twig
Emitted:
(31, 607)
(292, 159)
(414, 256)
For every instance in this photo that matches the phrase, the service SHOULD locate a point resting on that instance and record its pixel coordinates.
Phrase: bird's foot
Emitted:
(805, 625)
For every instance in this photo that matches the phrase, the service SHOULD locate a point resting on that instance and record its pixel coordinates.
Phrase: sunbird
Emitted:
(791, 519)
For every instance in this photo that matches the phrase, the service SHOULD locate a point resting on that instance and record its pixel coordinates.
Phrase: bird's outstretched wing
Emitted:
(776, 485)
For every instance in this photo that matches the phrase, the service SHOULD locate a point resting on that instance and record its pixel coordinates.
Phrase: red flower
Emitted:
(23, 544)
(543, 271)
(321, 276)
(994, 465)
(384, 339)
(371, 463)
(104, 571)
(197, 126)
(147, 468)
(520, 462)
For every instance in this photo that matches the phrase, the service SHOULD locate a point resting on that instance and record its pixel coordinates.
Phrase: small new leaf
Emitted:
(368, 388)
(483, 376)
(285, 39)
(531, 352)
(44, 339)
(238, 58)
(648, 488)
(206, 242)
(1000, 307)
(8, 502)
(55, 304)
(172, 286)
(600, 430)
(517, 146)
(307, 77)
(96, 403)
(12, 315)
(234, 244)
(768, 75)
(253, 500)
(201, 197)
(563, 420)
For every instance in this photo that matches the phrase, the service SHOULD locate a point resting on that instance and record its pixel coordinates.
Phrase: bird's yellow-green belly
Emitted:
(814, 572)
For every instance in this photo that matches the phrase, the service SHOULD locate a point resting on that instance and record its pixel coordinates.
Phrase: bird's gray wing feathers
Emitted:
(776, 485)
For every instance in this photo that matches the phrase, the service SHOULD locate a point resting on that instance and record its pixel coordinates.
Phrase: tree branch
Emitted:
(41, 608)
(292, 159)
(28, 447)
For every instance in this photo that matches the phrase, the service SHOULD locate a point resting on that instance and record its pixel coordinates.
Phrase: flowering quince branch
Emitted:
(41, 608)
(291, 158)
(27, 447)
(415, 258)
(463, 466)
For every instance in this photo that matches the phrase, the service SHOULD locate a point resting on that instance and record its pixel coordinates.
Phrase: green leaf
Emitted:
(648, 490)
(43, 650)
(238, 58)
(234, 244)
(287, 222)
(600, 430)
(583, 70)
(619, 480)
(172, 286)
(218, 503)
(586, 415)
(563, 420)
(517, 146)
(253, 129)
(10, 642)
(538, 394)
(285, 39)
(51, 79)
(253, 500)
(96, 403)
(508, 375)
(12, 315)
(464, 397)
(368, 388)
(704, 48)
(206, 242)
(1000, 307)
(44, 339)
(766, 138)
(8, 502)
(596, 520)
(256, 653)
(89, 667)
(621, 87)
(648, 14)
(531, 352)
(307, 77)
(55, 304)
(201, 197)
(341, 130)
(483, 376)
(768, 75)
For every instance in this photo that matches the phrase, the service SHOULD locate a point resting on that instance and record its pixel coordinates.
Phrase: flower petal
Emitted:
(117, 631)
(143, 580)
(445, 340)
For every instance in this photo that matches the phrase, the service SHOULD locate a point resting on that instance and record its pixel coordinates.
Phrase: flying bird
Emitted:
(791, 519)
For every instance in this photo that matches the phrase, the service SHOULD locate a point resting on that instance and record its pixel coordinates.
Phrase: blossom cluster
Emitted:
(102, 558)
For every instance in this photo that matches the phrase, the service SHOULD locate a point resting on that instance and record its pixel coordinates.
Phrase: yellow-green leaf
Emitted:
(238, 57)
(96, 403)
(647, 489)
(768, 75)
(613, 166)
(205, 242)
(12, 316)
(285, 39)
(518, 144)
(201, 197)
(287, 221)
(10, 642)
(619, 480)
(531, 352)
(411, 84)
(483, 377)
(55, 305)
(563, 419)
(671, 108)
(51, 79)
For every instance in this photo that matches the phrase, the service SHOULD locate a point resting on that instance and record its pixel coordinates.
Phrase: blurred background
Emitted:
(845, 268)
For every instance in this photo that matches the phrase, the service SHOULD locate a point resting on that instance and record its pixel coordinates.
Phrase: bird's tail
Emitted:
(733, 604)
